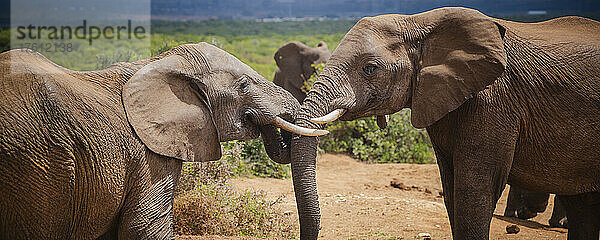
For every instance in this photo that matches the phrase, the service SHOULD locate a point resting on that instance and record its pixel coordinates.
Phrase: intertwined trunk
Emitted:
(304, 156)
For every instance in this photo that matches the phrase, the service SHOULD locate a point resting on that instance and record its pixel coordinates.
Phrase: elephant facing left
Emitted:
(87, 155)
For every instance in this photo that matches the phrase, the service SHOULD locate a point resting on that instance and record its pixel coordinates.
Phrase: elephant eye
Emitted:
(244, 83)
(369, 69)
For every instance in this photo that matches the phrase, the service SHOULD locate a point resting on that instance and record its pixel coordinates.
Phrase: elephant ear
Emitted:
(170, 113)
(462, 55)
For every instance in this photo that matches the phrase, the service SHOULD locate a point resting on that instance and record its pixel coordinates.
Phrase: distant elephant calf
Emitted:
(295, 65)
(96, 154)
(525, 204)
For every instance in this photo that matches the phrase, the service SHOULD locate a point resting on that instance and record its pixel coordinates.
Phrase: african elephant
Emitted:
(98, 154)
(294, 65)
(525, 204)
(501, 102)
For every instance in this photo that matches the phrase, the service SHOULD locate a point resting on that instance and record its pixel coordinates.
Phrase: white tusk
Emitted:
(330, 117)
(299, 130)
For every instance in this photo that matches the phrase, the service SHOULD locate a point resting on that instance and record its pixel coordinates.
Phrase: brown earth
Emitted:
(357, 202)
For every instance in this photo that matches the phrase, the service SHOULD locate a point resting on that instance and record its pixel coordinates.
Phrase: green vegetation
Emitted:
(232, 28)
(249, 159)
(256, 51)
(399, 142)
(307, 85)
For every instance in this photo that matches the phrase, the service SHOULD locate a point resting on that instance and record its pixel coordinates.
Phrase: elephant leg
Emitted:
(583, 213)
(148, 218)
(559, 214)
(536, 201)
(447, 175)
(513, 202)
(482, 162)
(525, 204)
(476, 192)
(148, 208)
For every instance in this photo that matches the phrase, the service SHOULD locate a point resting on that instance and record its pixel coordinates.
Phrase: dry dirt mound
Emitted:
(358, 202)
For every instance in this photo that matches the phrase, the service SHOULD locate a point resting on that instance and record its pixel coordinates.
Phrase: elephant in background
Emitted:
(525, 204)
(295, 65)
(98, 154)
(502, 102)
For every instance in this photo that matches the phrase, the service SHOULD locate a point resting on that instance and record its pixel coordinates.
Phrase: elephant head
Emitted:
(430, 62)
(294, 65)
(190, 98)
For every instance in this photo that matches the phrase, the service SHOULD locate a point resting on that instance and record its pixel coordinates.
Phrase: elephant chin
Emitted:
(276, 144)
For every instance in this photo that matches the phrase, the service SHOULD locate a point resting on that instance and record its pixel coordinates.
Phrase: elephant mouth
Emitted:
(276, 132)
(276, 141)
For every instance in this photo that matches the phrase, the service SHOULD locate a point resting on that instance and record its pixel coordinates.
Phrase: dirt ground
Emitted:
(357, 202)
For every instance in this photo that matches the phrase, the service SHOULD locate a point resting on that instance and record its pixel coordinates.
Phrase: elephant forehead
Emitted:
(220, 60)
(361, 41)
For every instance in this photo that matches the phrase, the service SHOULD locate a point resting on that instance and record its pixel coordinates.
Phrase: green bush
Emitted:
(219, 210)
(249, 158)
(205, 204)
(307, 85)
(120, 55)
(399, 142)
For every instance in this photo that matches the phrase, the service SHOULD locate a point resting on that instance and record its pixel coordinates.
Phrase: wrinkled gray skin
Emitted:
(294, 65)
(96, 154)
(501, 101)
(525, 204)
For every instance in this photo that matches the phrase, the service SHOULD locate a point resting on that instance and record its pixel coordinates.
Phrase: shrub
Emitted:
(206, 204)
(219, 210)
(119, 55)
(399, 142)
(249, 158)
(307, 85)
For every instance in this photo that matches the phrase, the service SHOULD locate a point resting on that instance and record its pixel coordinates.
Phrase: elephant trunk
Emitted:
(304, 156)
(277, 145)
(304, 150)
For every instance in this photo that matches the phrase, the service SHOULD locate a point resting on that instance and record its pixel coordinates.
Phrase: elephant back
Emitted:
(64, 150)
